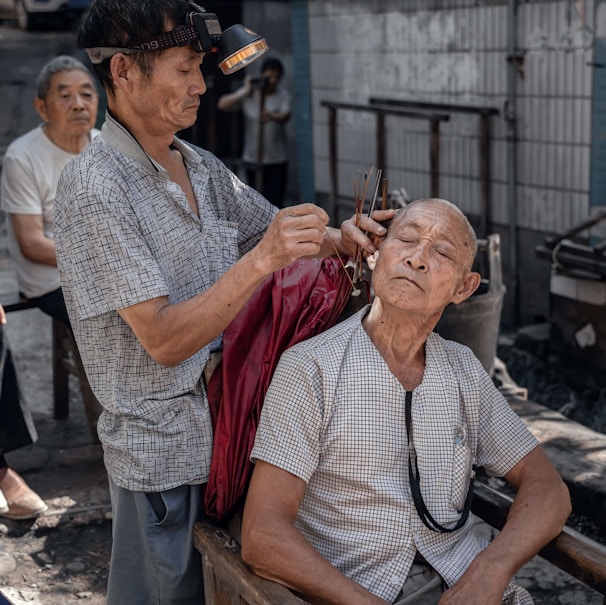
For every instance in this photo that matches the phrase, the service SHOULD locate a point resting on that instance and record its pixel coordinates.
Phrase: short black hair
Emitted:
(274, 64)
(128, 23)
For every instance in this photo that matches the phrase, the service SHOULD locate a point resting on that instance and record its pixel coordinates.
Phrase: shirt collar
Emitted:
(119, 137)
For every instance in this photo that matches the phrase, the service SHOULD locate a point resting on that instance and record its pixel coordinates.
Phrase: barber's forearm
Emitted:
(332, 244)
(171, 333)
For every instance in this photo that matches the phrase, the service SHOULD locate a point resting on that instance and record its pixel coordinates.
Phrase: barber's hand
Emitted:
(295, 232)
(2, 316)
(351, 235)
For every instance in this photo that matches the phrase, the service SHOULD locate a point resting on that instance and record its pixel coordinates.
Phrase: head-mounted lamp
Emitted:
(236, 47)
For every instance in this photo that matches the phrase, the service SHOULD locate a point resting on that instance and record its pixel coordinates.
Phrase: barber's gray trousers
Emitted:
(153, 560)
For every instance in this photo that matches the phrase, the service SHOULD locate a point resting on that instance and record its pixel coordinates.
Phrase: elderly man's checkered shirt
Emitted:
(334, 416)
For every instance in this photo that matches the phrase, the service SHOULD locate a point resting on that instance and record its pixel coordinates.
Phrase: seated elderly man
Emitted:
(66, 101)
(369, 440)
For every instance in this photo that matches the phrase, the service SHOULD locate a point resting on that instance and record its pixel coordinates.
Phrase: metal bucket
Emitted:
(475, 322)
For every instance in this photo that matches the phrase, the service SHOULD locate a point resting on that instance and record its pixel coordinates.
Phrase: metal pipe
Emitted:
(434, 157)
(333, 167)
(510, 119)
(381, 148)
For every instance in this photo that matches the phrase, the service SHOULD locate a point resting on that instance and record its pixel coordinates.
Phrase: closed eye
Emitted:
(444, 252)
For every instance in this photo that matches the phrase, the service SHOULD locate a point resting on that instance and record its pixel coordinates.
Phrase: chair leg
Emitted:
(64, 363)
(91, 405)
(60, 372)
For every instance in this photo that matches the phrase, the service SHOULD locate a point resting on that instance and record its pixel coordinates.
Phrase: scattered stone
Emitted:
(7, 564)
(75, 566)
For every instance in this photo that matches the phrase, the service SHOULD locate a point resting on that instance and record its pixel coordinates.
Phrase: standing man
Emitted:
(266, 109)
(159, 247)
(67, 102)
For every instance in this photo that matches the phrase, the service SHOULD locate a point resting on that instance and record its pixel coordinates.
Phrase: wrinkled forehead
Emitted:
(67, 77)
(442, 218)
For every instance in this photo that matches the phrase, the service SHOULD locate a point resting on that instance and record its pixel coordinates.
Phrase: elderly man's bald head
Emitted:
(464, 228)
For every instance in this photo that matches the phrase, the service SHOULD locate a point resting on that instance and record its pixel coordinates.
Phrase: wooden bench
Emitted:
(66, 361)
(229, 581)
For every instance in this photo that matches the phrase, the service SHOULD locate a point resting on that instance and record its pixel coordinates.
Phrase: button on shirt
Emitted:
(125, 234)
(334, 416)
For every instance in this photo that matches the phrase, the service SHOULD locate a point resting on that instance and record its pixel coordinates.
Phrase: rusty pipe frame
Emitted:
(381, 112)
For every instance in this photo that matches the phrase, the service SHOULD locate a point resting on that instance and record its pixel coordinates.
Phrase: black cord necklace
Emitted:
(415, 481)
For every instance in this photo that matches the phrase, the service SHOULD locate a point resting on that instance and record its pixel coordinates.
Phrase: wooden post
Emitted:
(60, 371)
(261, 140)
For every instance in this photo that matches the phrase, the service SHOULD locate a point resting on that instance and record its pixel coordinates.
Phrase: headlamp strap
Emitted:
(184, 35)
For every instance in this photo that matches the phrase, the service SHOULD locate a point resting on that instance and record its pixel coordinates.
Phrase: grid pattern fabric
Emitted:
(125, 234)
(334, 416)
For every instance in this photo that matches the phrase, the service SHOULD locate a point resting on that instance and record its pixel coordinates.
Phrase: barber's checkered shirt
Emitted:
(125, 234)
(334, 416)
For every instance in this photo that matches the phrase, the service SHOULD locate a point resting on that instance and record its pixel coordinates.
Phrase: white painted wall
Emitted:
(456, 52)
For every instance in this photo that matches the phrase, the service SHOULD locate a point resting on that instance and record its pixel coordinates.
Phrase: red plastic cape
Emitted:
(291, 305)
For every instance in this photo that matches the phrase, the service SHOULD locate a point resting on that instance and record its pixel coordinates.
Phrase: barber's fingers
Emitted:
(372, 224)
(295, 232)
(303, 223)
(303, 210)
(364, 231)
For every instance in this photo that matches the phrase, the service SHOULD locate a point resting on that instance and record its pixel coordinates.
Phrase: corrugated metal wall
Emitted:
(554, 114)
(456, 52)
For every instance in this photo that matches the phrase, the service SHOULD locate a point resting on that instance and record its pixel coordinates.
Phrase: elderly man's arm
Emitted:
(538, 514)
(33, 242)
(276, 550)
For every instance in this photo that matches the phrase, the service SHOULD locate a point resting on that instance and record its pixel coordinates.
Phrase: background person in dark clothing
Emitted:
(17, 500)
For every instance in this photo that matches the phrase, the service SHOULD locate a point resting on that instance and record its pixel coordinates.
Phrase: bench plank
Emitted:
(13, 301)
(577, 555)
(225, 572)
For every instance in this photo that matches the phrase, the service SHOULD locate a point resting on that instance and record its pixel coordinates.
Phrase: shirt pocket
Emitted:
(462, 463)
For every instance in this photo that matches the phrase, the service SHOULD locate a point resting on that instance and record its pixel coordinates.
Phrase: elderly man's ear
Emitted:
(468, 286)
(371, 259)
